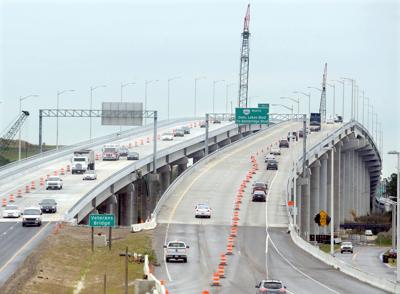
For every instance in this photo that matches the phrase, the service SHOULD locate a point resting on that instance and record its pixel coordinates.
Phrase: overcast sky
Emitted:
(48, 46)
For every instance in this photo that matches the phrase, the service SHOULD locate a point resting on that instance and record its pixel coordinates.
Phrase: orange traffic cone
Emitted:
(68, 168)
(41, 182)
(221, 271)
(62, 171)
(4, 202)
(19, 193)
(27, 189)
(33, 185)
(223, 260)
(216, 280)
(11, 198)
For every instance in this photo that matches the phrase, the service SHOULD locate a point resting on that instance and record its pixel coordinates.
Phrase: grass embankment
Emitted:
(383, 240)
(65, 260)
(327, 247)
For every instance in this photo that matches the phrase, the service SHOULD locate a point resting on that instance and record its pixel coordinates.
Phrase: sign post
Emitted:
(252, 116)
(102, 220)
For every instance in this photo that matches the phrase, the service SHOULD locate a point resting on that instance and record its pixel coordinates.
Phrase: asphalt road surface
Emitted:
(253, 259)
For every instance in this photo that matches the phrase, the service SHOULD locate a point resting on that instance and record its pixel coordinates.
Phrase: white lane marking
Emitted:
(23, 247)
(211, 164)
(300, 271)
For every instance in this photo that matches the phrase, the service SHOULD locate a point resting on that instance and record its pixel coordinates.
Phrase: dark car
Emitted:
(217, 121)
(272, 164)
(133, 155)
(186, 130)
(123, 151)
(338, 119)
(283, 143)
(301, 134)
(270, 286)
(202, 124)
(259, 195)
(259, 186)
(179, 133)
(48, 205)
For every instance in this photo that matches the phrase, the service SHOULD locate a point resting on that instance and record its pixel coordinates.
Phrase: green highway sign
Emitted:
(101, 220)
(252, 115)
(263, 105)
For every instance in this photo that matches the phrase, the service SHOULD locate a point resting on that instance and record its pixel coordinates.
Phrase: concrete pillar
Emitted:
(323, 192)
(368, 204)
(337, 188)
(348, 187)
(128, 211)
(298, 204)
(343, 182)
(197, 156)
(314, 196)
(112, 206)
(165, 177)
(305, 210)
(182, 164)
(224, 142)
(153, 184)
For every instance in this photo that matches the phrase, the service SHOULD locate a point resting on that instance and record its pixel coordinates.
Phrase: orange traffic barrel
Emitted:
(68, 168)
(229, 249)
(233, 232)
(221, 271)
(56, 173)
(4, 202)
(223, 260)
(97, 156)
(148, 140)
(27, 189)
(205, 292)
(33, 185)
(215, 281)
(41, 182)
(19, 193)
(62, 171)
(11, 198)
(141, 141)
(237, 206)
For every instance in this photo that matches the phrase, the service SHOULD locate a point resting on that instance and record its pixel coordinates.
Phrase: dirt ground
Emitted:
(64, 263)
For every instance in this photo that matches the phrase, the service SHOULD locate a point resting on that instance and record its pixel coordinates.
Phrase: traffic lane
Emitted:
(367, 259)
(302, 273)
(18, 244)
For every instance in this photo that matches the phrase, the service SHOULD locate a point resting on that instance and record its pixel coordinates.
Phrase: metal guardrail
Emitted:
(38, 159)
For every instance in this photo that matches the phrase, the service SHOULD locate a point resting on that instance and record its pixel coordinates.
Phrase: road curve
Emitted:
(216, 183)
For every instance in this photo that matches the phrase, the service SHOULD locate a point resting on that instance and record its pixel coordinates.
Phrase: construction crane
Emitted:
(244, 62)
(322, 105)
(5, 140)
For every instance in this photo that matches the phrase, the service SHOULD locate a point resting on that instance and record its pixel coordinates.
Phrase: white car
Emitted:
(368, 233)
(32, 216)
(346, 247)
(167, 137)
(90, 175)
(54, 182)
(176, 250)
(275, 151)
(269, 156)
(202, 210)
(11, 211)
(330, 121)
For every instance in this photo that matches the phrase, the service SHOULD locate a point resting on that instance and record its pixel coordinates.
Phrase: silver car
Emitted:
(90, 175)
(270, 286)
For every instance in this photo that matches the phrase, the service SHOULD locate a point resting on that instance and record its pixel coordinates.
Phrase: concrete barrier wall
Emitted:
(160, 289)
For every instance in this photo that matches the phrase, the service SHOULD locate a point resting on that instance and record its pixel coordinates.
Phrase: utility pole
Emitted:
(244, 62)
(19, 133)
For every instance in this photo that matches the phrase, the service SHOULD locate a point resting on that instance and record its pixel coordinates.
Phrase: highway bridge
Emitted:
(263, 247)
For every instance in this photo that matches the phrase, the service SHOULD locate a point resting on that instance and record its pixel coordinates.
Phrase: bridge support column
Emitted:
(353, 184)
(153, 183)
(112, 206)
(304, 206)
(182, 165)
(323, 187)
(314, 196)
(165, 177)
(337, 185)
(198, 155)
(224, 143)
(127, 206)
(347, 187)
(368, 192)
(298, 206)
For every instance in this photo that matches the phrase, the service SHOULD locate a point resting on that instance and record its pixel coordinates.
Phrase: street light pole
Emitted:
(309, 100)
(195, 93)
(294, 100)
(226, 96)
(58, 103)
(91, 108)
(121, 95)
(146, 82)
(213, 94)
(397, 153)
(19, 132)
(169, 80)
(342, 82)
(363, 105)
(334, 98)
(352, 96)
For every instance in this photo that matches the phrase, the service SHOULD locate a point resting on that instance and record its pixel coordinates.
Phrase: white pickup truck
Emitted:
(176, 250)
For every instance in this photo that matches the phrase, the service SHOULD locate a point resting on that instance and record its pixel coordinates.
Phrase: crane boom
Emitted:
(5, 140)
(322, 105)
(244, 62)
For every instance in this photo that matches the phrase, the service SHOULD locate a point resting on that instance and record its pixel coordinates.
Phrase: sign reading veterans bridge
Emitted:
(101, 220)
(252, 115)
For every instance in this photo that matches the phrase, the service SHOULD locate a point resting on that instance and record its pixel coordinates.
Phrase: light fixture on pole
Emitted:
(294, 100)
(227, 96)
(195, 93)
(91, 107)
(367, 124)
(146, 83)
(59, 93)
(19, 132)
(168, 82)
(213, 93)
(309, 100)
(342, 82)
(352, 117)
(397, 153)
(123, 86)
(284, 106)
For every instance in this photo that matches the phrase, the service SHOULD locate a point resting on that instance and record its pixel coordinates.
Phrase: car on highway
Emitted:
(90, 175)
(167, 137)
(133, 155)
(283, 143)
(275, 151)
(176, 250)
(292, 136)
(216, 121)
(48, 205)
(54, 182)
(269, 156)
(186, 130)
(202, 210)
(338, 119)
(272, 164)
(346, 247)
(368, 233)
(259, 186)
(11, 211)
(270, 286)
(203, 124)
(330, 121)
(32, 216)
(179, 133)
(123, 151)
(259, 196)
